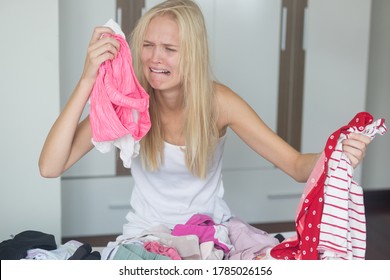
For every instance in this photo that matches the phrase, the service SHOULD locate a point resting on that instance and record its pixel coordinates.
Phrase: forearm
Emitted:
(61, 140)
(304, 166)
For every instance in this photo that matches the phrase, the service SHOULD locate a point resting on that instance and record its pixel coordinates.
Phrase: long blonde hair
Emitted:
(200, 125)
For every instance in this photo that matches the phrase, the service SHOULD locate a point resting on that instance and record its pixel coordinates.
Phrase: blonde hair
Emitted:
(200, 125)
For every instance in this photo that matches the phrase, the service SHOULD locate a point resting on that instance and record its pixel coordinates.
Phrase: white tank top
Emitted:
(172, 194)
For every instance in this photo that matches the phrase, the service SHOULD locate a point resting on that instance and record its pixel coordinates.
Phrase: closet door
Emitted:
(77, 21)
(337, 48)
(376, 164)
(94, 200)
(245, 50)
(245, 42)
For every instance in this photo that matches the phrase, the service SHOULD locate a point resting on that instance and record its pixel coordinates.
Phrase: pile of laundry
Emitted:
(36, 245)
(198, 239)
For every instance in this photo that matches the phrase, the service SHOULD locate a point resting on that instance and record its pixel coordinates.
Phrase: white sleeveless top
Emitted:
(172, 194)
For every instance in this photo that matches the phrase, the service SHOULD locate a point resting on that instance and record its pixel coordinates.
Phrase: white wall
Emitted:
(29, 79)
(376, 173)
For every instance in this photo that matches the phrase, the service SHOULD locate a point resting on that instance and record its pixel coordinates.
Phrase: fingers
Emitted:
(354, 155)
(101, 45)
(103, 49)
(355, 148)
(98, 33)
(100, 49)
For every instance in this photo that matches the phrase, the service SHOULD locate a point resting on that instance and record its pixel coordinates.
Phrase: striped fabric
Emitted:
(330, 218)
(343, 223)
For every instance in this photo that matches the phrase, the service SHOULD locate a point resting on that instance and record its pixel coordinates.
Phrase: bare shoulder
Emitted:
(223, 92)
(229, 103)
(226, 98)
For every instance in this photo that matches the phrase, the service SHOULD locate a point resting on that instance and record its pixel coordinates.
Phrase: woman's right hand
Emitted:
(100, 49)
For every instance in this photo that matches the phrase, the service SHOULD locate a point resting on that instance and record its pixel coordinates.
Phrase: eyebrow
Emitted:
(165, 45)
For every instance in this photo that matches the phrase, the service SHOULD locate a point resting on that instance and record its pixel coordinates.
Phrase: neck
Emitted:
(171, 109)
(170, 102)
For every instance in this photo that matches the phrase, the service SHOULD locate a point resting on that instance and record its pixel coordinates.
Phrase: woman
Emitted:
(178, 172)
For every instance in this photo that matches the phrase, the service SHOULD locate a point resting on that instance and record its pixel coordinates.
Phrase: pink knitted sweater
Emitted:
(119, 113)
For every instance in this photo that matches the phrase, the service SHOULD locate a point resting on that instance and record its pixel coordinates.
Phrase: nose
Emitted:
(156, 55)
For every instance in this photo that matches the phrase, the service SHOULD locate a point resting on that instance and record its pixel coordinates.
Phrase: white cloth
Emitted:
(63, 252)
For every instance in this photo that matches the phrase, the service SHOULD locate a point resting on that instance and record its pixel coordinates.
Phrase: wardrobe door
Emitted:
(377, 161)
(77, 21)
(245, 48)
(337, 48)
(94, 201)
(95, 206)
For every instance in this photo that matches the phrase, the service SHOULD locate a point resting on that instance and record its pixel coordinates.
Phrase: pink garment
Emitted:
(310, 209)
(157, 248)
(119, 104)
(249, 243)
(204, 227)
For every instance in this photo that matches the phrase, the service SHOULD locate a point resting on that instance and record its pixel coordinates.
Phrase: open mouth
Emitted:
(160, 71)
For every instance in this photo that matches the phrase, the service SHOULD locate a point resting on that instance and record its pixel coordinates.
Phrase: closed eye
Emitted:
(171, 49)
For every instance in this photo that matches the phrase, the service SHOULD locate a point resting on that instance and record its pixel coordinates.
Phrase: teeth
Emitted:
(159, 71)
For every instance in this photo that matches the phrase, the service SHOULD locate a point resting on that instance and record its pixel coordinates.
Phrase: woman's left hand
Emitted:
(355, 147)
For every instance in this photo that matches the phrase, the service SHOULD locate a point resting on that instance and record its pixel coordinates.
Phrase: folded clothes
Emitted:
(17, 247)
